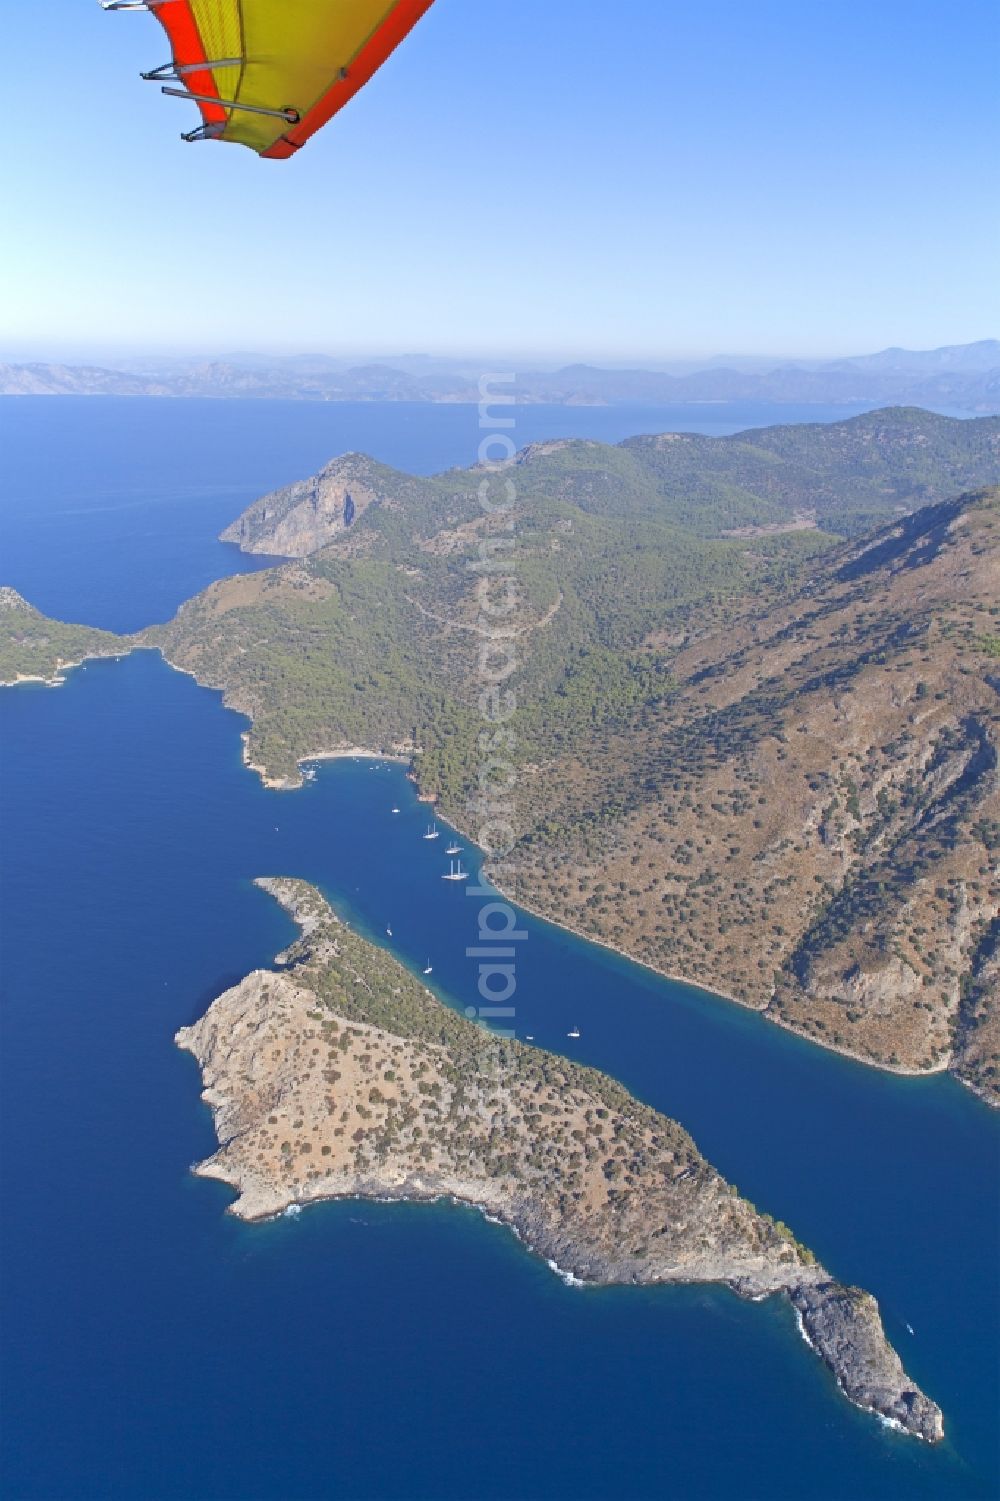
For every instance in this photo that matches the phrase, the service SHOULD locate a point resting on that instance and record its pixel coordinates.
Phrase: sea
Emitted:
(152, 1346)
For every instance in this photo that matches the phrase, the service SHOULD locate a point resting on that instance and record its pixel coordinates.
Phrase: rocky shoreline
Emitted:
(766, 1010)
(340, 1075)
(102, 644)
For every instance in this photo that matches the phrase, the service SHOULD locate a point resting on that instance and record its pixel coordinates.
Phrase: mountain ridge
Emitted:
(843, 475)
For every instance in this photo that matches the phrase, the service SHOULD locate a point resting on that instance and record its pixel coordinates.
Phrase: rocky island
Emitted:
(338, 1074)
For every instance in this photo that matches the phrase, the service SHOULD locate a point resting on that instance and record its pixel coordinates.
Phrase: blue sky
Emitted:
(641, 179)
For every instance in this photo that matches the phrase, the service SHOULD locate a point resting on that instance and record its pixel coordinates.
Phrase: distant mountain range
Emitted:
(963, 378)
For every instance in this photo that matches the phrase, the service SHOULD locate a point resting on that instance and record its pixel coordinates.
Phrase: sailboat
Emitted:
(454, 849)
(428, 967)
(432, 831)
(574, 1033)
(455, 875)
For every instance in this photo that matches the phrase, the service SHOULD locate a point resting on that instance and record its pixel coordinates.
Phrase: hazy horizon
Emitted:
(45, 353)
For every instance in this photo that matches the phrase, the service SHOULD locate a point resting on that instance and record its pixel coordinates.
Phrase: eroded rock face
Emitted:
(303, 517)
(341, 1075)
(977, 1033)
(844, 1326)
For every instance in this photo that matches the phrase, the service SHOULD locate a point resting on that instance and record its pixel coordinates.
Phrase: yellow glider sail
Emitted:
(269, 73)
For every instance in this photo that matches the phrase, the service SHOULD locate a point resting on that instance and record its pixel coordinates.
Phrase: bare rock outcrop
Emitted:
(307, 515)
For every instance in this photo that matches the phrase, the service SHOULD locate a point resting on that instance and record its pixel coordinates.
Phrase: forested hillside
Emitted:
(766, 761)
(843, 476)
(33, 646)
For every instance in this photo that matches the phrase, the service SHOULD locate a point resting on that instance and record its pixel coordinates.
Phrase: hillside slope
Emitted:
(765, 762)
(35, 648)
(843, 476)
(812, 818)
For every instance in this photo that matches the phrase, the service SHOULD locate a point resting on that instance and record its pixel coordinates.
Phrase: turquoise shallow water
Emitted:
(153, 1347)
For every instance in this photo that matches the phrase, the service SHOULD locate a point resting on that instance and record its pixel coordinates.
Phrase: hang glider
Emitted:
(269, 73)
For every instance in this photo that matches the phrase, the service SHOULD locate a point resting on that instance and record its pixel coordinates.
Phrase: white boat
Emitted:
(395, 810)
(432, 831)
(388, 930)
(454, 849)
(428, 968)
(529, 1036)
(575, 1032)
(455, 875)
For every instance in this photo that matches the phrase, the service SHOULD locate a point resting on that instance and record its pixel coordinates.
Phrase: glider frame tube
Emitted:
(290, 116)
(178, 71)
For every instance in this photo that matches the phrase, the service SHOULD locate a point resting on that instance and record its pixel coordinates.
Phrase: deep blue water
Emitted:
(153, 1347)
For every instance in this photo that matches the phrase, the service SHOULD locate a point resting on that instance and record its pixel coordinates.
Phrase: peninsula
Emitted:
(35, 649)
(757, 721)
(338, 1074)
(721, 702)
